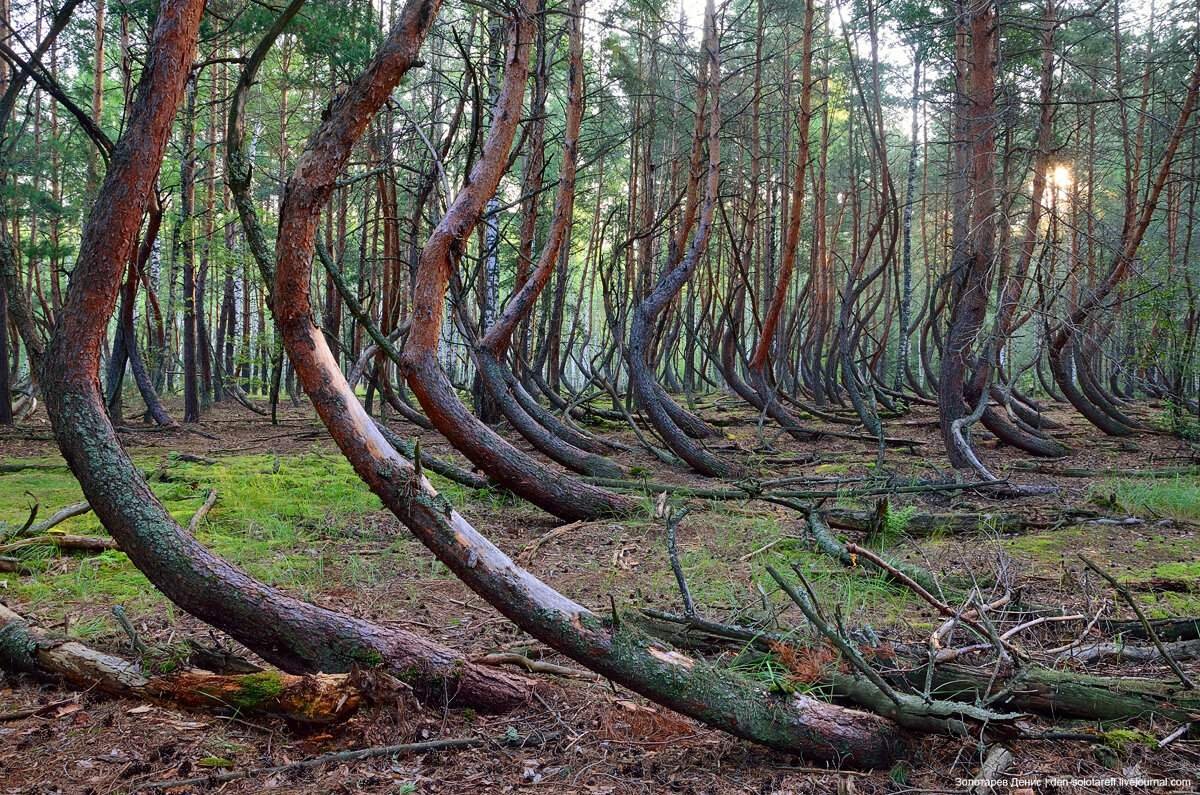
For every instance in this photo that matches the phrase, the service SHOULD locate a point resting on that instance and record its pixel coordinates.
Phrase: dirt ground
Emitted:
(593, 737)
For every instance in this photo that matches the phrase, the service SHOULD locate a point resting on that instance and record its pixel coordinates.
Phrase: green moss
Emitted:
(257, 689)
(1046, 547)
(215, 762)
(278, 519)
(1178, 570)
(1121, 739)
(371, 658)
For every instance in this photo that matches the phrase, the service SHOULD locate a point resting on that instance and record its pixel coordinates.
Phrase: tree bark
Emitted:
(310, 699)
(610, 647)
(975, 222)
(650, 396)
(294, 635)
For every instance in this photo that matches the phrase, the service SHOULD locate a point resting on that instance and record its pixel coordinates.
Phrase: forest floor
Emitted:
(291, 512)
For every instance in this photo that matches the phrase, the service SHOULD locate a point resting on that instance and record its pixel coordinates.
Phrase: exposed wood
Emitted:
(314, 699)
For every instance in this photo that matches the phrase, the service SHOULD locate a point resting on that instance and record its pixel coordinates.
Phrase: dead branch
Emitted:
(60, 516)
(314, 699)
(63, 541)
(1129, 600)
(535, 666)
(202, 511)
(938, 604)
(872, 690)
(1096, 652)
(528, 552)
(673, 518)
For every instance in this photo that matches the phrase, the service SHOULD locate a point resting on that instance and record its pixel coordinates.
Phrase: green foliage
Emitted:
(1174, 419)
(896, 521)
(1177, 498)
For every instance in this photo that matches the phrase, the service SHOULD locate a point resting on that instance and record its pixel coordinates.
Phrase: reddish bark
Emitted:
(796, 723)
(292, 634)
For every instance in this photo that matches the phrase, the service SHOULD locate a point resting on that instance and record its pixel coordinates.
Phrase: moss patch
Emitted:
(286, 521)
(256, 689)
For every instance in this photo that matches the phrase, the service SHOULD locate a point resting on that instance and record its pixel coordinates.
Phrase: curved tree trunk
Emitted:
(975, 221)
(127, 333)
(1063, 337)
(490, 352)
(294, 635)
(760, 358)
(499, 460)
(650, 396)
(611, 647)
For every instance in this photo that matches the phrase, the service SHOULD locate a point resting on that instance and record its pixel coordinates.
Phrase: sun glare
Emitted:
(1060, 176)
(1058, 183)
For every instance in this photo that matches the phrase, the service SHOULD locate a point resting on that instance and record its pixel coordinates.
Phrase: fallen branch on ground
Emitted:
(925, 524)
(202, 511)
(908, 582)
(535, 666)
(1129, 600)
(314, 698)
(1077, 472)
(58, 517)
(528, 552)
(343, 756)
(1096, 652)
(63, 541)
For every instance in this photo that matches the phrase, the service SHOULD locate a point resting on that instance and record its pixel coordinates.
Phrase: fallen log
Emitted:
(13, 566)
(1096, 652)
(21, 466)
(1167, 629)
(1077, 472)
(1031, 689)
(921, 525)
(64, 542)
(310, 699)
(1065, 694)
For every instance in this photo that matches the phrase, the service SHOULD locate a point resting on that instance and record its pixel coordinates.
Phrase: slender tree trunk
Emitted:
(187, 201)
(910, 185)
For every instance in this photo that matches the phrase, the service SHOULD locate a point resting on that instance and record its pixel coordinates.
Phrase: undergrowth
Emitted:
(285, 521)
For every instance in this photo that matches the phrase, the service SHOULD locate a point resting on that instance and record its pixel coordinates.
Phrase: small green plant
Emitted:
(1176, 420)
(896, 520)
(1177, 498)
